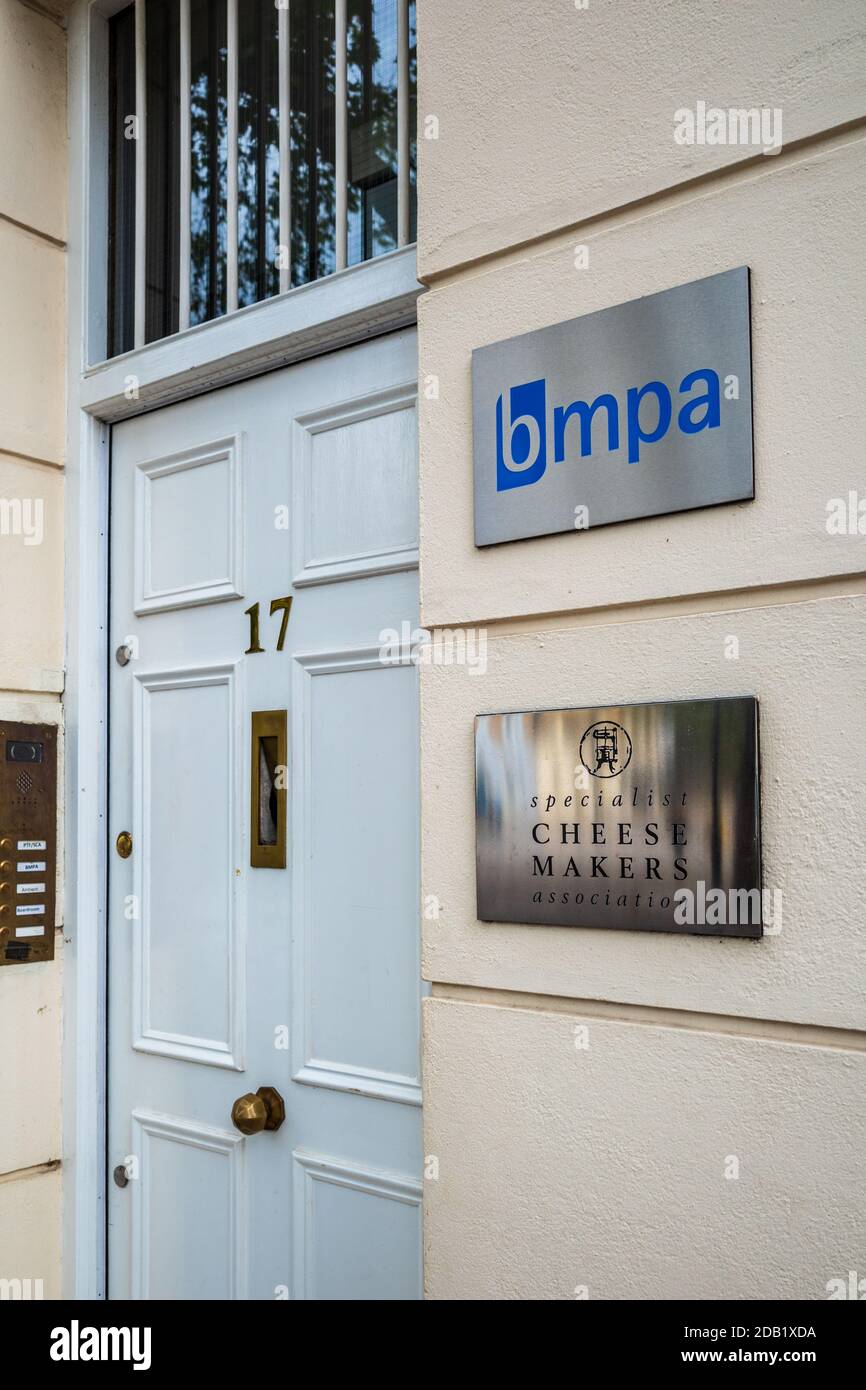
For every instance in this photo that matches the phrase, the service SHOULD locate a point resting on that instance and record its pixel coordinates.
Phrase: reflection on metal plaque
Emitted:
(636, 410)
(639, 817)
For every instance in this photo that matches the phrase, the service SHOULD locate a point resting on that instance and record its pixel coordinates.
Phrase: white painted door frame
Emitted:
(345, 308)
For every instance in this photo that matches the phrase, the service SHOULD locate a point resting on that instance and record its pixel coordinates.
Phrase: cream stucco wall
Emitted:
(602, 1167)
(32, 396)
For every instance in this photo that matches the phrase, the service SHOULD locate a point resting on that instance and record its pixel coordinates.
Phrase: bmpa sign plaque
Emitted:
(635, 817)
(637, 410)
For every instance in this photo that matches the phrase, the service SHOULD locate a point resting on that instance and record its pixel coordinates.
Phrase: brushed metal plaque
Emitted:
(640, 817)
(636, 410)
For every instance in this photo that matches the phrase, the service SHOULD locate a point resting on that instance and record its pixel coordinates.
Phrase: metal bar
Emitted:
(232, 141)
(185, 167)
(403, 194)
(261, 135)
(313, 86)
(140, 297)
(214, 305)
(342, 137)
(285, 97)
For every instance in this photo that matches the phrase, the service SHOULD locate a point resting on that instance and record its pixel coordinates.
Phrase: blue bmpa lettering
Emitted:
(525, 438)
(521, 436)
(636, 434)
(584, 412)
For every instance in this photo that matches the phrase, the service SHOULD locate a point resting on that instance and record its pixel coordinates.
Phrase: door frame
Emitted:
(348, 307)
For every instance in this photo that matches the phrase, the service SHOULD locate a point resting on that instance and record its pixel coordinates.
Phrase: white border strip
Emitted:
(377, 296)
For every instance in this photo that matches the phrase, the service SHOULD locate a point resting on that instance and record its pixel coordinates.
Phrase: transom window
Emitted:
(254, 146)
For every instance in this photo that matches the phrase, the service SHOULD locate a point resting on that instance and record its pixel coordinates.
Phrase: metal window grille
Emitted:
(254, 145)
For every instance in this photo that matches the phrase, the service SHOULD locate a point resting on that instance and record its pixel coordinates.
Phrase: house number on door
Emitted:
(253, 614)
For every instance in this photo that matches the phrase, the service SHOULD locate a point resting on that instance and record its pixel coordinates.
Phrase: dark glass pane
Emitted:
(163, 169)
(372, 91)
(208, 155)
(413, 121)
(121, 182)
(258, 151)
(311, 31)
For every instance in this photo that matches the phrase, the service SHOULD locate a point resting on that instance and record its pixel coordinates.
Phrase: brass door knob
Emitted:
(264, 1110)
(123, 844)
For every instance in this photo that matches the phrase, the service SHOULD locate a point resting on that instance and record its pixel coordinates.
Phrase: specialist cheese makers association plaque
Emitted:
(641, 817)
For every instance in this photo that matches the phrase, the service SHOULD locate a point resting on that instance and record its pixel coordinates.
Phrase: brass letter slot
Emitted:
(268, 802)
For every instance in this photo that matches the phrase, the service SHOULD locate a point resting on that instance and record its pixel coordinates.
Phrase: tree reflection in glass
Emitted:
(372, 148)
(313, 76)
(372, 95)
(258, 151)
(208, 159)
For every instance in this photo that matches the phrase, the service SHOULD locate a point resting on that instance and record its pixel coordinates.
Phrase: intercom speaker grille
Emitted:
(24, 782)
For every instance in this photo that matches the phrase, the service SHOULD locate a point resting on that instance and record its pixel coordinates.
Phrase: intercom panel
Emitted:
(28, 841)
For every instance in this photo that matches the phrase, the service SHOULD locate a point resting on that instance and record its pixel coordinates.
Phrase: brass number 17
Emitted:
(277, 604)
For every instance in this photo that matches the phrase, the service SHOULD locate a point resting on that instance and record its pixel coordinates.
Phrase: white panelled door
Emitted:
(225, 978)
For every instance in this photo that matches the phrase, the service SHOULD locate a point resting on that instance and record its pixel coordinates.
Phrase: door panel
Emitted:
(224, 978)
(358, 1233)
(357, 886)
(188, 1220)
(355, 486)
(185, 784)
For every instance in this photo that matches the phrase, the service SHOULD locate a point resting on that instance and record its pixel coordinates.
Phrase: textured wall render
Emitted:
(33, 171)
(798, 225)
(549, 115)
(805, 664)
(603, 1165)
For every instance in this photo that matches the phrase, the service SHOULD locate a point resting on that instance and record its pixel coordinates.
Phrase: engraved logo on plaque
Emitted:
(605, 749)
